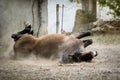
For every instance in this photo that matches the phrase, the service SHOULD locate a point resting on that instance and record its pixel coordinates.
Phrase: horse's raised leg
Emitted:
(87, 42)
(83, 34)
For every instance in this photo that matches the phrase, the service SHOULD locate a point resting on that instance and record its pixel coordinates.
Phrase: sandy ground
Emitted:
(106, 66)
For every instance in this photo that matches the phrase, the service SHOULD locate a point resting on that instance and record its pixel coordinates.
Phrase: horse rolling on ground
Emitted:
(68, 48)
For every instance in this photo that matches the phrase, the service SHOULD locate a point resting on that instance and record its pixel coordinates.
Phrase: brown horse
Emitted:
(68, 48)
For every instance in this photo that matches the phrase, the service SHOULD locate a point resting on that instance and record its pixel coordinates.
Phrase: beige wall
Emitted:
(13, 13)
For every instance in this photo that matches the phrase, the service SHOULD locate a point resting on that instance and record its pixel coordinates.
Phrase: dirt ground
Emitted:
(106, 66)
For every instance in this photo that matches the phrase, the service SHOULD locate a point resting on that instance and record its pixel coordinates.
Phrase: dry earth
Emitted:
(106, 66)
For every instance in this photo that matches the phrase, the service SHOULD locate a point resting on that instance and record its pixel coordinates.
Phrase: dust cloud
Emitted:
(39, 61)
(30, 60)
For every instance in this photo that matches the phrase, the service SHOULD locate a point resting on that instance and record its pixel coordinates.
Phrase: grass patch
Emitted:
(107, 38)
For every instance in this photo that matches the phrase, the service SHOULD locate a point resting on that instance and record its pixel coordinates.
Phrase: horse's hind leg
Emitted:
(87, 42)
(83, 34)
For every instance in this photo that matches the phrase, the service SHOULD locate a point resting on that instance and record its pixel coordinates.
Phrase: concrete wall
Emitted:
(44, 18)
(13, 13)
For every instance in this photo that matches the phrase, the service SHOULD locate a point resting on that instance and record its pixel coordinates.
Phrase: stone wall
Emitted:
(82, 21)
